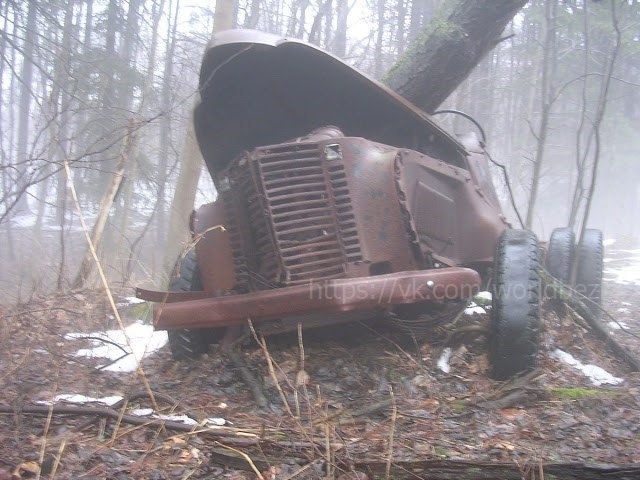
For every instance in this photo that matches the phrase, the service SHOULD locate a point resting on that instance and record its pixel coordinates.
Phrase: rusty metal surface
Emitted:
(259, 89)
(161, 296)
(354, 218)
(330, 296)
(305, 211)
(455, 217)
(213, 249)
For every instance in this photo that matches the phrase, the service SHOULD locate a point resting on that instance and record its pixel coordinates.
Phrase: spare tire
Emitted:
(589, 268)
(515, 312)
(560, 254)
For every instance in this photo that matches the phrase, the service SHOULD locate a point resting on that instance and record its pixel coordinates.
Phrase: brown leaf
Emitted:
(511, 413)
(31, 468)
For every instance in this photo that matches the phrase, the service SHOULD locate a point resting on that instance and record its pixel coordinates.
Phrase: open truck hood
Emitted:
(260, 89)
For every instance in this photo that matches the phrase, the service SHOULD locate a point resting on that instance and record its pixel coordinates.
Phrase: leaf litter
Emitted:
(349, 372)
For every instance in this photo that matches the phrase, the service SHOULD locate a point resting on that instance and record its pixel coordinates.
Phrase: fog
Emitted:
(107, 88)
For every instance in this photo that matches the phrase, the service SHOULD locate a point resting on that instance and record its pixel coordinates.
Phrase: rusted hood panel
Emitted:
(259, 89)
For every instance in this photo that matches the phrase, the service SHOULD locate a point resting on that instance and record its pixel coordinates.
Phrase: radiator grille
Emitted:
(293, 221)
(302, 217)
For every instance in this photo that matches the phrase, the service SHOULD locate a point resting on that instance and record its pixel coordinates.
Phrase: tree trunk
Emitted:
(448, 50)
(340, 37)
(377, 58)
(546, 95)
(105, 207)
(191, 165)
(30, 40)
(165, 131)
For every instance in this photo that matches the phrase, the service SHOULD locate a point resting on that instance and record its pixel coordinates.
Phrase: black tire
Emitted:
(515, 312)
(589, 268)
(187, 344)
(560, 254)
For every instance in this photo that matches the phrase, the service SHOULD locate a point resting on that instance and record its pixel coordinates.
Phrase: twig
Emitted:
(372, 408)
(572, 301)
(56, 463)
(105, 340)
(120, 403)
(44, 439)
(246, 457)
(394, 416)
(112, 362)
(483, 329)
(248, 377)
(104, 281)
(39, 310)
(263, 345)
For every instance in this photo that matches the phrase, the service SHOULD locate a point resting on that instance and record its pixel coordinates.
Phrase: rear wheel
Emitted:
(513, 342)
(560, 254)
(189, 343)
(589, 268)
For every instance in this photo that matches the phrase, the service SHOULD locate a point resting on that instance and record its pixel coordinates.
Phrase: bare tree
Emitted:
(453, 44)
(191, 164)
(547, 96)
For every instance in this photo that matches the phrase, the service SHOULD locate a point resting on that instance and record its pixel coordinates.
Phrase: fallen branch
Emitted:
(227, 435)
(352, 414)
(572, 301)
(470, 470)
(248, 377)
(120, 403)
(521, 390)
(103, 412)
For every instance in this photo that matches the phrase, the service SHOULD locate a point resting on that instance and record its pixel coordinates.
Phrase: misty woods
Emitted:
(96, 99)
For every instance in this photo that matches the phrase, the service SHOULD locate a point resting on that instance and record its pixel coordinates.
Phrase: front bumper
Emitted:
(201, 310)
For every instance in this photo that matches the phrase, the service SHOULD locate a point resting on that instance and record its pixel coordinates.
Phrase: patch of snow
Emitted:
(130, 301)
(473, 308)
(624, 310)
(628, 274)
(142, 412)
(76, 398)
(142, 338)
(608, 242)
(216, 421)
(177, 418)
(485, 296)
(597, 375)
(617, 325)
(148, 412)
(443, 361)
(627, 304)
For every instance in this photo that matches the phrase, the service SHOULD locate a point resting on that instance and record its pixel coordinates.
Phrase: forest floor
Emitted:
(353, 403)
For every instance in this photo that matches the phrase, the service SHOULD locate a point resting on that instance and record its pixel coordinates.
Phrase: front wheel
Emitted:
(513, 341)
(189, 343)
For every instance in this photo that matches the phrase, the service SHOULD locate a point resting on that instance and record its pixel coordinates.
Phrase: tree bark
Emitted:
(547, 97)
(449, 48)
(191, 165)
(105, 207)
(472, 470)
(30, 41)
